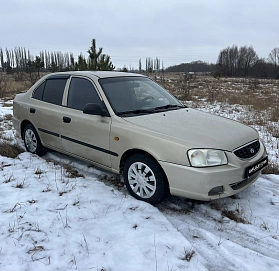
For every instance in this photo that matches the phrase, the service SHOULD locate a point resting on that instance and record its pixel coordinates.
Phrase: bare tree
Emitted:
(237, 62)
(2, 59)
(274, 59)
(140, 65)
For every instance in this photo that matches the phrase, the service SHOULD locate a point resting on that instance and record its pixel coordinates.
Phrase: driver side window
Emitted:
(82, 92)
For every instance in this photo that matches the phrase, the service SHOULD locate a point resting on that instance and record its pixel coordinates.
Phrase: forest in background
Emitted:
(232, 61)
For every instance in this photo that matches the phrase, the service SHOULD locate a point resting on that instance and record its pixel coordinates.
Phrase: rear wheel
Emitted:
(32, 140)
(144, 178)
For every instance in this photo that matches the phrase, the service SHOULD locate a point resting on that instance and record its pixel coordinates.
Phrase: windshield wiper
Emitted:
(149, 111)
(137, 111)
(169, 106)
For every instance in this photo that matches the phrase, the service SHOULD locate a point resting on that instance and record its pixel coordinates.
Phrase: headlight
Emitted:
(207, 157)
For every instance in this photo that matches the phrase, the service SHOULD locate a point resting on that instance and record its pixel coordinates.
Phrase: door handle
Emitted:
(32, 110)
(66, 119)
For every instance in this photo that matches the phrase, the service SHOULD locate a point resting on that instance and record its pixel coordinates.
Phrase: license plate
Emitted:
(256, 167)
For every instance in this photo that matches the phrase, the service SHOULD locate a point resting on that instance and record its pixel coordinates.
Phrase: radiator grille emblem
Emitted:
(248, 151)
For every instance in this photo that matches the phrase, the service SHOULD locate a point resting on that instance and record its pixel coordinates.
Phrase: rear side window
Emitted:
(38, 93)
(53, 91)
(82, 92)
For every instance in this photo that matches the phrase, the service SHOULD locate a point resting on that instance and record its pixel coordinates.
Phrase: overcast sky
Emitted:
(176, 31)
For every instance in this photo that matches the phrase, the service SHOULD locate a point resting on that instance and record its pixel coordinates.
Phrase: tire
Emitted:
(32, 140)
(144, 179)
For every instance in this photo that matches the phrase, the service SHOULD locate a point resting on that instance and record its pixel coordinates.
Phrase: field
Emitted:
(59, 213)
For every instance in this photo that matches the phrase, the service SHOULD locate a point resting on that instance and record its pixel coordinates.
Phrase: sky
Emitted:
(177, 31)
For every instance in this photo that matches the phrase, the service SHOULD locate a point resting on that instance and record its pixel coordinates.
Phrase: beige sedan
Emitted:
(128, 124)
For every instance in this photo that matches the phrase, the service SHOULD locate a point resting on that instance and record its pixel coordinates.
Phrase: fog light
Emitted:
(216, 190)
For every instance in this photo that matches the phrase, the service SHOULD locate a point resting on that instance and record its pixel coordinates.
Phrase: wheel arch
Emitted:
(131, 152)
(23, 125)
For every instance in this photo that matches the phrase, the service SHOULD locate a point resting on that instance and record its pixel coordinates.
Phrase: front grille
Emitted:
(248, 151)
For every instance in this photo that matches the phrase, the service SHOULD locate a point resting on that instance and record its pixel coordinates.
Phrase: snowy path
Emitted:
(222, 241)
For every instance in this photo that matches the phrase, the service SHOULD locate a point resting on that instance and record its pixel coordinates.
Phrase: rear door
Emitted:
(45, 110)
(83, 135)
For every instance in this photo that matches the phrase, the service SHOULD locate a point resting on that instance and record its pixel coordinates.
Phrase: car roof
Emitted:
(99, 74)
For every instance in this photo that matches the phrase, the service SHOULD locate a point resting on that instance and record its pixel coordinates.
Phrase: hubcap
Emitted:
(142, 180)
(30, 140)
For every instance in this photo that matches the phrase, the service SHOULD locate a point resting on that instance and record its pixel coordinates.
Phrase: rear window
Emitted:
(38, 93)
(51, 90)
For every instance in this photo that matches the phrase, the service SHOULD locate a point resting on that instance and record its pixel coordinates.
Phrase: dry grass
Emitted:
(9, 87)
(8, 117)
(188, 254)
(71, 172)
(234, 215)
(10, 150)
(114, 180)
(271, 169)
(261, 96)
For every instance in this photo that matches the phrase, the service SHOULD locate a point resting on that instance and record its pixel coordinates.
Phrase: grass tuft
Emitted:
(114, 180)
(8, 179)
(62, 193)
(19, 185)
(71, 172)
(8, 117)
(10, 150)
(38, 171)
(187, 256)
(234, 215)
(271, 169)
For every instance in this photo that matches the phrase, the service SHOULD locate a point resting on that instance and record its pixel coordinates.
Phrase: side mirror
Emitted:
(94, 109)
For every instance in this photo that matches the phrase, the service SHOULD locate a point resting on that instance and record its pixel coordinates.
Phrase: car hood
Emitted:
(197, 129)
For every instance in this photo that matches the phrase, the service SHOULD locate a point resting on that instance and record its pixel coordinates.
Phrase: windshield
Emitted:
(137, 95)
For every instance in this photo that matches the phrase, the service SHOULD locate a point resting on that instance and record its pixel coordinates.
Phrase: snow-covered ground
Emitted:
(50, 221)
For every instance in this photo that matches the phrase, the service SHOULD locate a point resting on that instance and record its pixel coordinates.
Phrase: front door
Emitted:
(86, 136)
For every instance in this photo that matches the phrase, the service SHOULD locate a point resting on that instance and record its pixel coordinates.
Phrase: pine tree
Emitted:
(94, 56)
(97, 60)
(82, 65)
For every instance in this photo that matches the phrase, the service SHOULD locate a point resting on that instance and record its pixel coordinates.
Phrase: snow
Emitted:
(50, 221)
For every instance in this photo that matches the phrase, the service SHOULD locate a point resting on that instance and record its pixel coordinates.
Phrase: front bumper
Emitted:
(212, 182)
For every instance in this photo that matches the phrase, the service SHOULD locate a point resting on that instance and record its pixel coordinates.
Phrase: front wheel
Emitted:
(144, 178)
(32, 140)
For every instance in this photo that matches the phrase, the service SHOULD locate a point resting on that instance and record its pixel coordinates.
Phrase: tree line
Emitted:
(20, 61)
(236, 61)
(232, 61)
(245, 62)
(194, 66)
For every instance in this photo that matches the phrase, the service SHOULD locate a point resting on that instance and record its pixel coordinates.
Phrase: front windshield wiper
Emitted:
(149, 111)
(137, 111)
(169, 106)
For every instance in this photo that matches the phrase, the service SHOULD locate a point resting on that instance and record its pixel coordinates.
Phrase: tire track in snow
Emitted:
(217, 239)
(204, 245)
